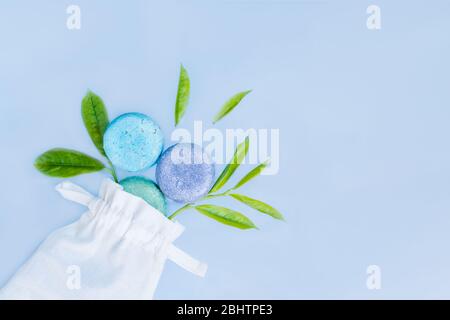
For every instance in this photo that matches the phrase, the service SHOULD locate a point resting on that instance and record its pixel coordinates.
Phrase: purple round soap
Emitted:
(184, 172)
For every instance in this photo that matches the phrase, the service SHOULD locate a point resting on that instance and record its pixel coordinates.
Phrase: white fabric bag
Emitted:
(116, 250)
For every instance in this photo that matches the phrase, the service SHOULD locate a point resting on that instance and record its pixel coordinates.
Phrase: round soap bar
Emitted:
(147, 190)
(133, 141)
(184, 172)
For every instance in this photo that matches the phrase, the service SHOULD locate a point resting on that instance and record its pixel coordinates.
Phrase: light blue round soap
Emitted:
(184, 172)
(133, 141)
(147, 190)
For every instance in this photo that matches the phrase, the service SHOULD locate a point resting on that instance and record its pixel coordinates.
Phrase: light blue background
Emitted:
(363, 117)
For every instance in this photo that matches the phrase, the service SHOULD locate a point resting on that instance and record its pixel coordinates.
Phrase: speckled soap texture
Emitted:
(185, 172)
(133, 142)
(147, 190)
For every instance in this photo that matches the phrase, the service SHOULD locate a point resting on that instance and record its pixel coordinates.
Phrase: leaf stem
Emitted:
(191, 205)
(183, 208)
(112, 170)
(212, 196)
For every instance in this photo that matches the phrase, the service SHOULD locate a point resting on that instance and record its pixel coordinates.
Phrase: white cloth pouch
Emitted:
(116, 250)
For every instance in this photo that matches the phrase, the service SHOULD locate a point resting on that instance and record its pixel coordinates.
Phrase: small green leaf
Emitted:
(65, 163)
(181, 104)
(238, 157)
(226, 216)
(252, 174)
(95, 118)
(230, 105)
(258, 205)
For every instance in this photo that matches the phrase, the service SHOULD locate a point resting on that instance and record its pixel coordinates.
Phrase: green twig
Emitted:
(183, 208)
(212, 196)
(191, 205)
(112, 170)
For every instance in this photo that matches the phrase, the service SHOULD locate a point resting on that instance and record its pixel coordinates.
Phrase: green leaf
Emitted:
(230, 105)
(226, 216)
(65, 163)
(95, 118)
(252, 174)
(238, 157)
(184, 86)
(258, 205)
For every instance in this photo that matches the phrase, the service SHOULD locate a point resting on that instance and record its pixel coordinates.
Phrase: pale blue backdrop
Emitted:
(363, 117)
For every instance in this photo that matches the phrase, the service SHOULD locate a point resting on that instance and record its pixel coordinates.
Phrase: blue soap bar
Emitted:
(133, 141)
(185, 172)
(147, 190)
